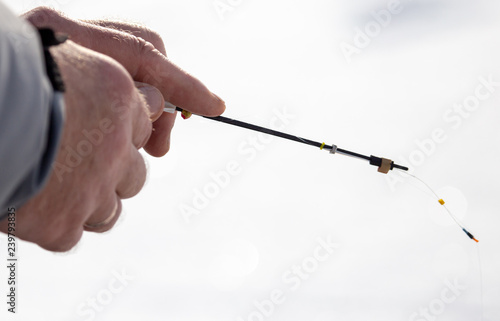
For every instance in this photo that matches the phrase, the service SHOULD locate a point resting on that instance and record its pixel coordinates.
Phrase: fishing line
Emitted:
(442, 202)
(461, 225)
(480, 281)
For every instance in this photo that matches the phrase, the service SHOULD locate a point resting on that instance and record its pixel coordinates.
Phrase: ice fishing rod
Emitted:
(384, 165)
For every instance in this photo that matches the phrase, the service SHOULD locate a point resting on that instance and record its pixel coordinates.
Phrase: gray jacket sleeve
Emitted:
(31, 113)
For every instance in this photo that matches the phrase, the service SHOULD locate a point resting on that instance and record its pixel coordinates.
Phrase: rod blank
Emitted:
(373, 160)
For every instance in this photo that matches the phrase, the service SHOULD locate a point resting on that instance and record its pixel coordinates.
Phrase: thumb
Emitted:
(153, 98)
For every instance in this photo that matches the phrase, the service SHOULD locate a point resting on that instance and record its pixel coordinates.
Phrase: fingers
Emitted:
(148, 109)
(141, 59)
(159, 142)
(116, 165)
(177, 86)
(156, 140)
(130, 182)
(143, 55)
(153, 100)
(104, 217)
(134, 29)
(133, 175)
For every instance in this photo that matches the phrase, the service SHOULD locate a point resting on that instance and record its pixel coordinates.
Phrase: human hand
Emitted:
(107, 119)
(142, 53)
(104, 109)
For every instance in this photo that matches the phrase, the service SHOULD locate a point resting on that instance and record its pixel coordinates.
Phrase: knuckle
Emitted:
(62, 238)
(143, 46)
(42, 16)
(114, 79)
(137, 169)
(155, 39)
(113, 72)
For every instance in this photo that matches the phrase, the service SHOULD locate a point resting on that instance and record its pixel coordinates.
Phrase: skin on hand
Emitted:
(99, 65)
(107, 119)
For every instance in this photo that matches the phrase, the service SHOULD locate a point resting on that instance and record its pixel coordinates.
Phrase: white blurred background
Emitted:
(245, 249)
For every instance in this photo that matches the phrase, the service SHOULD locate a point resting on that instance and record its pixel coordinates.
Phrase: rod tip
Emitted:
(470, 235)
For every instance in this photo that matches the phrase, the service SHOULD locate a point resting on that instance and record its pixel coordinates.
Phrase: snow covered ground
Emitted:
(237, 226)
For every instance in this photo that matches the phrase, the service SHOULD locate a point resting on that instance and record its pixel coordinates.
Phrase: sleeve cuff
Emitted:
(37, 178)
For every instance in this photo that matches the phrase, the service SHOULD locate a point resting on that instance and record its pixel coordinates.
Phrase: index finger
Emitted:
(140, 58)
(135, 29)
